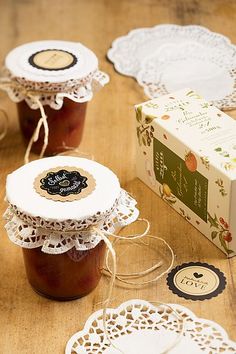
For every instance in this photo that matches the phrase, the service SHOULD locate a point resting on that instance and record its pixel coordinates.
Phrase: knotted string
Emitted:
(42, 121)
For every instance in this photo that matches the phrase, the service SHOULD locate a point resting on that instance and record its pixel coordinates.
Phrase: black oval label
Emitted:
(63, 183)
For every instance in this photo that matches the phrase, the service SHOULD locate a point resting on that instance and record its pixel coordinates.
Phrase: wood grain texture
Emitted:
(29, 323)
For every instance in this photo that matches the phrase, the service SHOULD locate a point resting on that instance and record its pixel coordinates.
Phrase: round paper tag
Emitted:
(196, 281)
(64, 184)
(52, 59)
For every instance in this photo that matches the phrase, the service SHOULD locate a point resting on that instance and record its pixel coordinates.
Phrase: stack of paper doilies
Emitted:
(166, 58)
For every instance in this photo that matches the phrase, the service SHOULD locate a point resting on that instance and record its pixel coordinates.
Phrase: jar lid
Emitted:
(62, 188)
(51, 61)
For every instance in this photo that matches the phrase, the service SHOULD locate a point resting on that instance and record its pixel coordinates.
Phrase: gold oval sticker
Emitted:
(196, 281)
(52, 59)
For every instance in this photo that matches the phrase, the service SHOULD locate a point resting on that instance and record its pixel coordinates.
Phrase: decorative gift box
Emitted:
(187, 155)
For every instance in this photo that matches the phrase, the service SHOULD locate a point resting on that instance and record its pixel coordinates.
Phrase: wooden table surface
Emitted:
(30, 324)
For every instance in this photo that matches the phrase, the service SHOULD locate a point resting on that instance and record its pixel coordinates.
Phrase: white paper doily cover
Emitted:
(17, 61)
(138, 327)
(166, 58)
(20, 190)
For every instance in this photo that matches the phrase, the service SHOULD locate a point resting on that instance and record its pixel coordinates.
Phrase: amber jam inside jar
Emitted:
(65, 276)
(65, 125)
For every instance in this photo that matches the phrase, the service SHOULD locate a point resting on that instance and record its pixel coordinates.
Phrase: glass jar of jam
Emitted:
(55, 78)
(56, 206)
(65, 276)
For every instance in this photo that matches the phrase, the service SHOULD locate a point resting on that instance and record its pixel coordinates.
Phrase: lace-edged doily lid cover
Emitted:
(166, 58)
(54, 69)
(59, 203)
(138, 327)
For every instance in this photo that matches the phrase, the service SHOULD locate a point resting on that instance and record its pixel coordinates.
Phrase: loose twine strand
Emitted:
(34, 95)
(124, 278)
(42, 121)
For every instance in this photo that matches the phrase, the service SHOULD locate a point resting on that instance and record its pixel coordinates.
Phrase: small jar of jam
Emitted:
(58, 207)
(58, 77)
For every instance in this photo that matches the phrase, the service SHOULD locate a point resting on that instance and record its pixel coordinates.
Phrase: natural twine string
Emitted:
(108, 271)
(124, 277)
(34, 95)
(42, 121)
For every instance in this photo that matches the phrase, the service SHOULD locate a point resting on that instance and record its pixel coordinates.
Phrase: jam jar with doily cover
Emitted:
(58, 77)
(58, 209)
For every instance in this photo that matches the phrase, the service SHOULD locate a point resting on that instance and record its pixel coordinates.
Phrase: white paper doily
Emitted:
(54, 238)
(138, 327)
(166, 58)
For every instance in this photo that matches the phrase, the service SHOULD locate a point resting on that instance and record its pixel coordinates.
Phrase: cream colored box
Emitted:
(186, 153)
